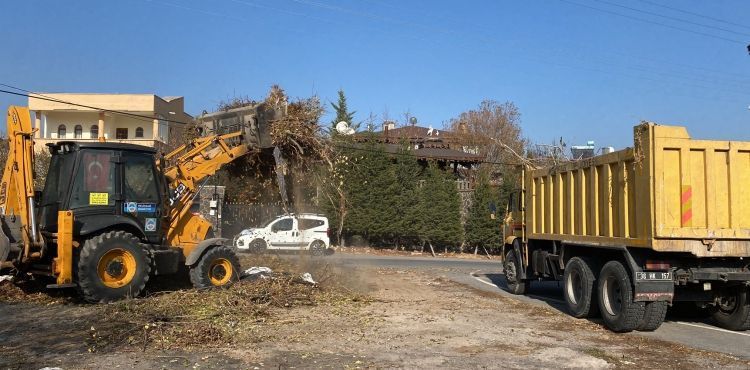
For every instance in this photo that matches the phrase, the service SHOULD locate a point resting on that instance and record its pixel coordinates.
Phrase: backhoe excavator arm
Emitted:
(17, 191)
(193, 163)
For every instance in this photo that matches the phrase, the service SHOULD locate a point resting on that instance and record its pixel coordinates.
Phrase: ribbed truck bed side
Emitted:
(670, 193)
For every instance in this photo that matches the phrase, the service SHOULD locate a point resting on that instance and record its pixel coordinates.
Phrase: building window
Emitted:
(121, 133)
(78, 132)
(61, 132)
(94, 132)
(139, 133)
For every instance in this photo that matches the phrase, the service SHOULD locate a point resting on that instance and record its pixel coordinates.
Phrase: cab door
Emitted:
(140, 192)
(283, 233)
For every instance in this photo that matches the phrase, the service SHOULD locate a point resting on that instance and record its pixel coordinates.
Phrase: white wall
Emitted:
(52, 120)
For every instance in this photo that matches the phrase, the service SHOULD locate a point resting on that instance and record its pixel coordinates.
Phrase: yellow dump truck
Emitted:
(633, 232)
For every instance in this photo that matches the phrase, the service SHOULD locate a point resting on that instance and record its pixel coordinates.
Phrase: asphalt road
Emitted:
(488, 275)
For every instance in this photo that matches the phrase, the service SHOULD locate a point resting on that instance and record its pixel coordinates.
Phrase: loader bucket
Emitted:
(254, 121)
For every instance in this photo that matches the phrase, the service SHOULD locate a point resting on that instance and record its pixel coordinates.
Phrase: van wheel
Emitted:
(619, 312)
(579, 288)
(733, 310)
(318, 248)
(112, 266)
(653, 316)
(218, 267)
(257, 246)
(512, 268)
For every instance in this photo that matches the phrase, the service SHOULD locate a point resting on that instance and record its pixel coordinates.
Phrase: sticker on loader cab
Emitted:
(98, 199)
(146, 207)
(150, 224)
(133, 207)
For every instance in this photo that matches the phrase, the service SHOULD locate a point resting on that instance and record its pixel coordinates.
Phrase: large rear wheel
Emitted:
(112, 266)
(218, 267)
(653, 316)
(733, 310)
(619, 312)
(580, 288)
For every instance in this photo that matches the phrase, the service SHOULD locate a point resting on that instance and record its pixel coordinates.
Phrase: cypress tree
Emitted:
(440, 221)
(481, 229)
(342, 112)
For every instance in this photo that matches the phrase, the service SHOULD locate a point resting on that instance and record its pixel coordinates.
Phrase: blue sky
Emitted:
(574, 72)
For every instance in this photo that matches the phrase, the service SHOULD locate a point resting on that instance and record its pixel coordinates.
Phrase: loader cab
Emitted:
(106, 185)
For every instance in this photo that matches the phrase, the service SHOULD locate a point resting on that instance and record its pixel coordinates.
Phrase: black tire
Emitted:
(257, 245)
(653, 316)
(218, 267)
(318, 248)
(733, 310)
(615, 295)
(112, 266)
(512, 266)
(579, 287)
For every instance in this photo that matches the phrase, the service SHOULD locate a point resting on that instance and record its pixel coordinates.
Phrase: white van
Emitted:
(290, 232)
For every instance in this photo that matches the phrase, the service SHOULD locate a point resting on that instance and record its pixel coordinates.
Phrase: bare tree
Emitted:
(492, 129)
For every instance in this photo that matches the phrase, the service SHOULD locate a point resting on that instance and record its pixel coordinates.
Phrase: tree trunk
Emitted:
(476, 249)
(432, 249)
(422, 250)
(487, 253)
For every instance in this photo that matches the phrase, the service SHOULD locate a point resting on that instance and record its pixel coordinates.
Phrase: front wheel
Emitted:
(733, 310)
(619, 312)
(512, 268)
(218, 267)
(257, 246)
(112, 266)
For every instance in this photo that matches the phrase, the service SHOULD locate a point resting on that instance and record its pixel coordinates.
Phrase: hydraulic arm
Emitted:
(17, 192)
(193, 163)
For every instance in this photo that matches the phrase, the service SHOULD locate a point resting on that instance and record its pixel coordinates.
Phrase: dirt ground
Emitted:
(379, 318)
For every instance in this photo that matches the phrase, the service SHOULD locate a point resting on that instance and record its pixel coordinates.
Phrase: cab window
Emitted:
(139, 182)
(94, 181)
(285, 224)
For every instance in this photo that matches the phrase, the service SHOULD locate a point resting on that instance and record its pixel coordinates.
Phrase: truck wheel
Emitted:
(112, 266)
(318, 248)
(219, 266)
(653, 316)
(579, 282)
(733, 310)
(512, 267)
(619, 312)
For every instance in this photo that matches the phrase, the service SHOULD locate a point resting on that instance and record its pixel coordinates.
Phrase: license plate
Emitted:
(653, 276)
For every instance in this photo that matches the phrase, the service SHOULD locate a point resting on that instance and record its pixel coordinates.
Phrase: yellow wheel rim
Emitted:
(220, 271)
(116, 268)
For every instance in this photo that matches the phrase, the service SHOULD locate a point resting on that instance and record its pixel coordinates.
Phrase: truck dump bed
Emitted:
(670, 193)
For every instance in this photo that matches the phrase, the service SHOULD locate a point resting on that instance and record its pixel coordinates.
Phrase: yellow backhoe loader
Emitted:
(111, 215)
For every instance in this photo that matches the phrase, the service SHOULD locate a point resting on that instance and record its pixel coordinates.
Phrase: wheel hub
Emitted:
(220, 271)
(116, 268)
(612, 296)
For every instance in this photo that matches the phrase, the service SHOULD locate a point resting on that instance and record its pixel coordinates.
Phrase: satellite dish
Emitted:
(344, 129)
